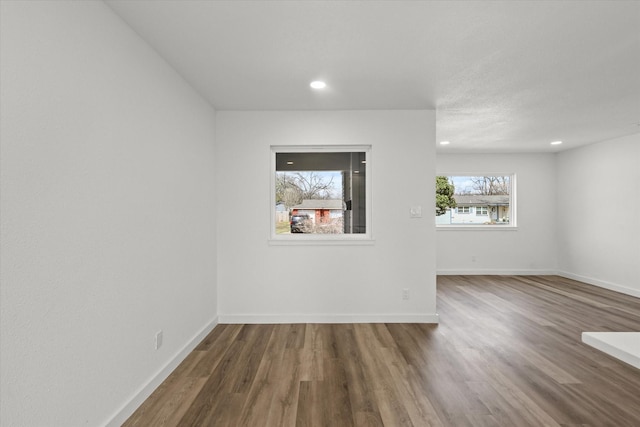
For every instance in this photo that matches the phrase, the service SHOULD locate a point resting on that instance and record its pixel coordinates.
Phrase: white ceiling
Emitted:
(503, 76)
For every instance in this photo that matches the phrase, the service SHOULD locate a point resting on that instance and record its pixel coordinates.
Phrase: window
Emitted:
(320, 193)
(491, 197)
(482, 211)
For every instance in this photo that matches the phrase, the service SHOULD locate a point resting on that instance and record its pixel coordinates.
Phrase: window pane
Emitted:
(481, 211)
(489, 197)
(320, 193)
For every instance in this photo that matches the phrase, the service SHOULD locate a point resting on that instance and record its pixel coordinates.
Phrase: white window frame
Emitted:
(321, 239)
(466, 210)
(482, 210)
(513, 215)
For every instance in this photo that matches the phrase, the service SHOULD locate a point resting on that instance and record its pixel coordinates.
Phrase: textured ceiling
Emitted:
(503, 76)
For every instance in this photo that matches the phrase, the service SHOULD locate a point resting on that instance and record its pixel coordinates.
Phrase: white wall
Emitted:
(259, 282)
(531, 248)
(598, 197)
(107, 214)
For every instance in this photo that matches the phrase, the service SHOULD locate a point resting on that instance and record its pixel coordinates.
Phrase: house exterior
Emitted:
(477, 209)
(319, 210)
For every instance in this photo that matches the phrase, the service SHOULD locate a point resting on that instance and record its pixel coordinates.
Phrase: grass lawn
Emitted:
(283, 227)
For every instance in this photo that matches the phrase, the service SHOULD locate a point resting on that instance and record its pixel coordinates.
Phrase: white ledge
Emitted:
(321, 242)
(477, 227)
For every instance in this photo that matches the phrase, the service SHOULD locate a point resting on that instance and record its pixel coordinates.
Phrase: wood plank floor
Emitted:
(506, 353)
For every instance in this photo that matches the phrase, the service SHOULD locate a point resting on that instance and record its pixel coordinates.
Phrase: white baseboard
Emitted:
(601, 283)
(589, 280)
(624, 346)
(326, 318)
(145, 391)
(489, 272)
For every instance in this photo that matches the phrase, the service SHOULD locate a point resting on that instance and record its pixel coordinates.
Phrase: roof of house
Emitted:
(320, 204)
(480, 199)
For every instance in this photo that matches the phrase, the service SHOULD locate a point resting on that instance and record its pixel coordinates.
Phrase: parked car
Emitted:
(300, 223)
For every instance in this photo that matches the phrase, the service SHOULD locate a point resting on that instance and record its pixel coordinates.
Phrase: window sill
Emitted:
(307, 241)
(476, 227)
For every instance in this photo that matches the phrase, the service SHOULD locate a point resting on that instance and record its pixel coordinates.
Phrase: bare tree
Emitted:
(292, 196)
(287, 191)
(294, 187)
(313, 185)
(329, 226)
(490, 185)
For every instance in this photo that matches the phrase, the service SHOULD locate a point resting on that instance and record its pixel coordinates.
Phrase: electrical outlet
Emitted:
(158, 339)
(405, 293)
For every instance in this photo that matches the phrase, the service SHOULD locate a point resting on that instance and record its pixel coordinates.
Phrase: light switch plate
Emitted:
(415, 212)
(158, 339)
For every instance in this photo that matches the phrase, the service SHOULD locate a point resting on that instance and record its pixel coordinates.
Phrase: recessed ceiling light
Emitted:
(356, 171)
(317, 84)
(556, 143)
(289, 163)
(445, 142)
